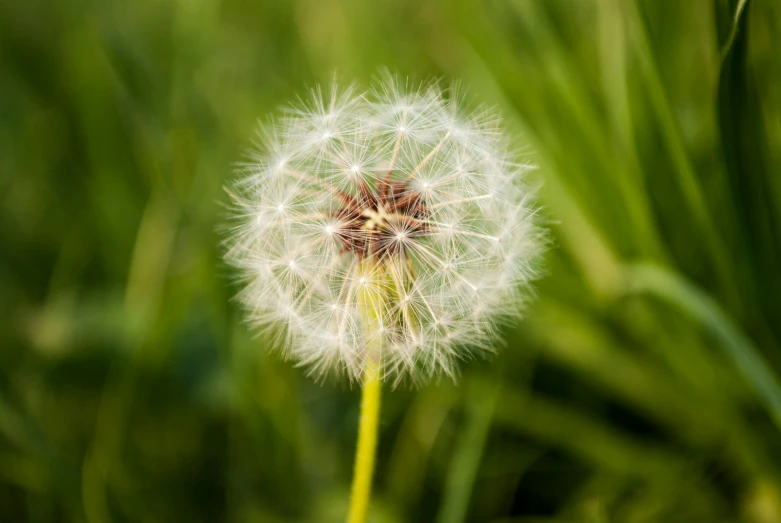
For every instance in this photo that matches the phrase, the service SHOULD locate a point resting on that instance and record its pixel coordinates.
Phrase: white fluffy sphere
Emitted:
(388, 227)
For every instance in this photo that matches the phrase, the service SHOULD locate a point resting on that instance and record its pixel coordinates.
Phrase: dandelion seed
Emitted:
(394, 197)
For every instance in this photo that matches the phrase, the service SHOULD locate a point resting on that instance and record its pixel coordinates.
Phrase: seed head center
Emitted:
(380, 219)
(376, 218)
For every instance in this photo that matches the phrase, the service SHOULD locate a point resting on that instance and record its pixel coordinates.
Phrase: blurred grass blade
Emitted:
(747, 153)
(734, 28)
(668, 286)
(585, 436)
(52, 473)
(11, 426)
(466, 461)
(685, 171)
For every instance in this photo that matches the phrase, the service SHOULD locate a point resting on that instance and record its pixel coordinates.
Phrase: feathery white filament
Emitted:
(395, 189)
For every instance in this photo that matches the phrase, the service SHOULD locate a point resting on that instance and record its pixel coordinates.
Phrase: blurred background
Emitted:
(642, 385)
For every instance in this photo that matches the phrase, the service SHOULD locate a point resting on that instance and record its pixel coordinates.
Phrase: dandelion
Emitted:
(383, 235)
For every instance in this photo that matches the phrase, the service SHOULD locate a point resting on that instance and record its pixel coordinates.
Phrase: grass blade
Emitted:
(668, 286)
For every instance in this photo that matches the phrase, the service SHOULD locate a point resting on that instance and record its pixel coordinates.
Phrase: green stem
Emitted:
(371, 301)
(367, 444)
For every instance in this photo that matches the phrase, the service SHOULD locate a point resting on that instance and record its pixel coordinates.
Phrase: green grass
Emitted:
(643, 385)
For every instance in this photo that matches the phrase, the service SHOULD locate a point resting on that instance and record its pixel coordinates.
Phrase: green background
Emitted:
(641, 386)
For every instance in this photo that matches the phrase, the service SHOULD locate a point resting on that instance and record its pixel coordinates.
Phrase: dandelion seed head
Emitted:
(395, 193)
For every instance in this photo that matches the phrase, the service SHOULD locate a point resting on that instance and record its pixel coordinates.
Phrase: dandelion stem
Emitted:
(367, 444)
(370, 298)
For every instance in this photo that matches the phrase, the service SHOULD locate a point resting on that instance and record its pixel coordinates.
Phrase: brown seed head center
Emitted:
(378, 221)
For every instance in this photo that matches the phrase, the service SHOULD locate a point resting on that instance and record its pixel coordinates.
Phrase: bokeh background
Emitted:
(641, 387)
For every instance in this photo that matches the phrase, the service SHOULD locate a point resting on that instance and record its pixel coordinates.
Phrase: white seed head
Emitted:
(399, 191)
